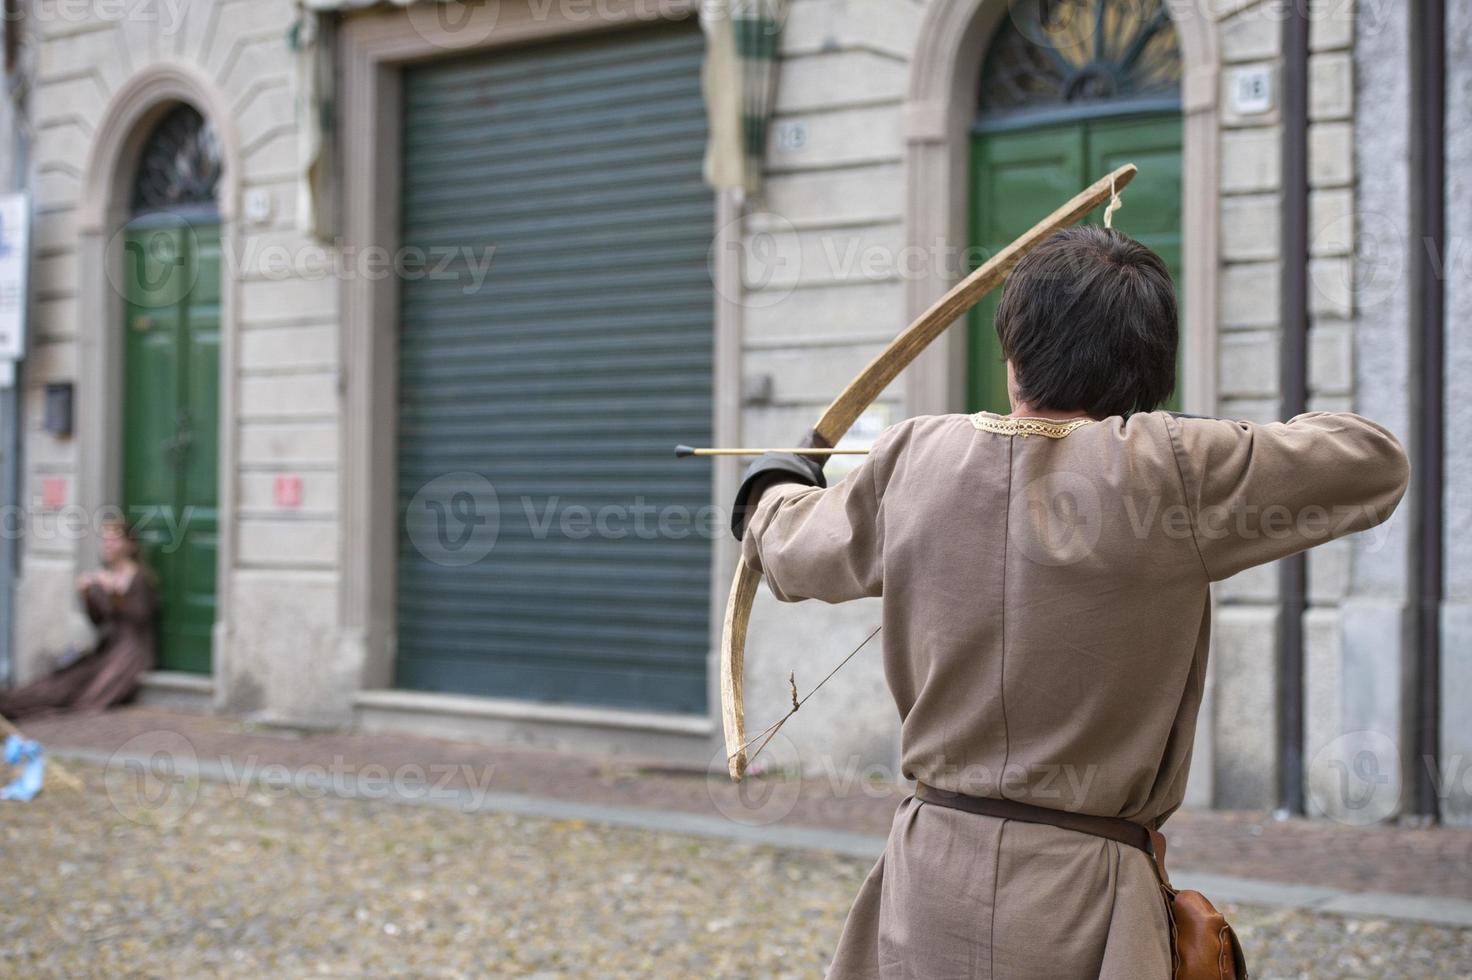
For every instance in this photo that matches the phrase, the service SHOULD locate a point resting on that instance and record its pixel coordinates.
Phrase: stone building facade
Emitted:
(864, 219)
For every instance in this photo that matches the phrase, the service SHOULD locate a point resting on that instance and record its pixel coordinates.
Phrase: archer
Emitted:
(1034, 624)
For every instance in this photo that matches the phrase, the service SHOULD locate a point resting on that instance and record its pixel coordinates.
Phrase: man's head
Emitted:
(1088, 322)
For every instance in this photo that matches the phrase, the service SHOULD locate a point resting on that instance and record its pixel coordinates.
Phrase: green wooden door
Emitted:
(1019, 177)
(171, 272)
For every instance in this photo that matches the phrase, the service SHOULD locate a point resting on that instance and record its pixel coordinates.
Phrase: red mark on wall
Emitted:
(289, 491)
(53, 492)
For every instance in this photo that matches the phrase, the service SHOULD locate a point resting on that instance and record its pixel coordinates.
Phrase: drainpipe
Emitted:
(12, 35)
(1428, 216)
(1293, 384)
(11, 520)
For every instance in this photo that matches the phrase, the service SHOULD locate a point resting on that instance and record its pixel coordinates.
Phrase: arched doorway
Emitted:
(169, 269)
(1069, 90)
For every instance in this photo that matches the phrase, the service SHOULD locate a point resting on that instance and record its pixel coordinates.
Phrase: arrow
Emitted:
(685, 452)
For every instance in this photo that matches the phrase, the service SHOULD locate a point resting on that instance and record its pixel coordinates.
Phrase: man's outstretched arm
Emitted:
(1262, 492)
(823, 543)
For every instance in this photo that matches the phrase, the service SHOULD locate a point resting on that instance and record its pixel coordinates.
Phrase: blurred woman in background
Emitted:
(121, 599)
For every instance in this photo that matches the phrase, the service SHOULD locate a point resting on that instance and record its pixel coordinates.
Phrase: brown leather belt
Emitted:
(1111, 828)
(1202, 943)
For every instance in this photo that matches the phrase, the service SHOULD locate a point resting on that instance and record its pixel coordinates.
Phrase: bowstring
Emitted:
(1115, 203)
(766, 735)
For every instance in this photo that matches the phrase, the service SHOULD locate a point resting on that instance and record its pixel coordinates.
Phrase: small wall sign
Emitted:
(289, 492)
(53, 492)
(258, 206)
(15, 254)
(1252, 90)
(58, 409)
(792, 136)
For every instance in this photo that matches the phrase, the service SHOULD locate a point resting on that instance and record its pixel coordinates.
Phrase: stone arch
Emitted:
(945, 72)
(127, 121)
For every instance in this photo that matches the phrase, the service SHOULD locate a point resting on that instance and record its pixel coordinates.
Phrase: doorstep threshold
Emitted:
(178, 680)
(506, 709)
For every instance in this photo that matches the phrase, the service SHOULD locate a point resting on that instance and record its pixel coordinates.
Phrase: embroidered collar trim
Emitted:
(1003, 426)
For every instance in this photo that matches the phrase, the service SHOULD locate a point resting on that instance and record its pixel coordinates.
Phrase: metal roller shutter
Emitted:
(564, 380)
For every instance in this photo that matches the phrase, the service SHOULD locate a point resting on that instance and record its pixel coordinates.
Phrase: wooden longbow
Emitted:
(840, 416)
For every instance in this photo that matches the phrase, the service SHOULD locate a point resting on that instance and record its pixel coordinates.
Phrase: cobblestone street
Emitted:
(211, 878)
(272, 884)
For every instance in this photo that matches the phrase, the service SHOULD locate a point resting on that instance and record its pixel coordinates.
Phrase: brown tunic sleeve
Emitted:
(824, 544)
(139, 602)
(98, 602)
(1258, 493)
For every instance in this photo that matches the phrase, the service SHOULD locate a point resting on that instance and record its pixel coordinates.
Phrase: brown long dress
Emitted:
(108, 675)
(1046, 614)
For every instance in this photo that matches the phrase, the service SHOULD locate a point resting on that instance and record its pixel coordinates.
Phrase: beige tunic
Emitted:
(1046, 616)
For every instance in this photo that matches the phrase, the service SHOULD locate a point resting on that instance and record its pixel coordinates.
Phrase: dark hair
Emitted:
(1088, 320)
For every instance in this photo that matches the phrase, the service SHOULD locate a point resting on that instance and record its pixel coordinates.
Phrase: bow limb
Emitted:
(852, 402)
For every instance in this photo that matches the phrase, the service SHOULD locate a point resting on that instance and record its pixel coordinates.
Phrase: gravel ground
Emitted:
(212, 880)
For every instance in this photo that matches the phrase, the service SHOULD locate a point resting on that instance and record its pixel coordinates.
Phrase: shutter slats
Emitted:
(566, 377)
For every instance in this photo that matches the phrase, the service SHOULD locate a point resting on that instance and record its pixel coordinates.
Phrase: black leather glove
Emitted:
(767, 471)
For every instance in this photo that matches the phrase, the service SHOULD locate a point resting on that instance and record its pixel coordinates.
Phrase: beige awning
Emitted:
(743, 39)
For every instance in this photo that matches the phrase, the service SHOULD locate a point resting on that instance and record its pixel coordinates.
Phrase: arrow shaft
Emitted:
(686, 451)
